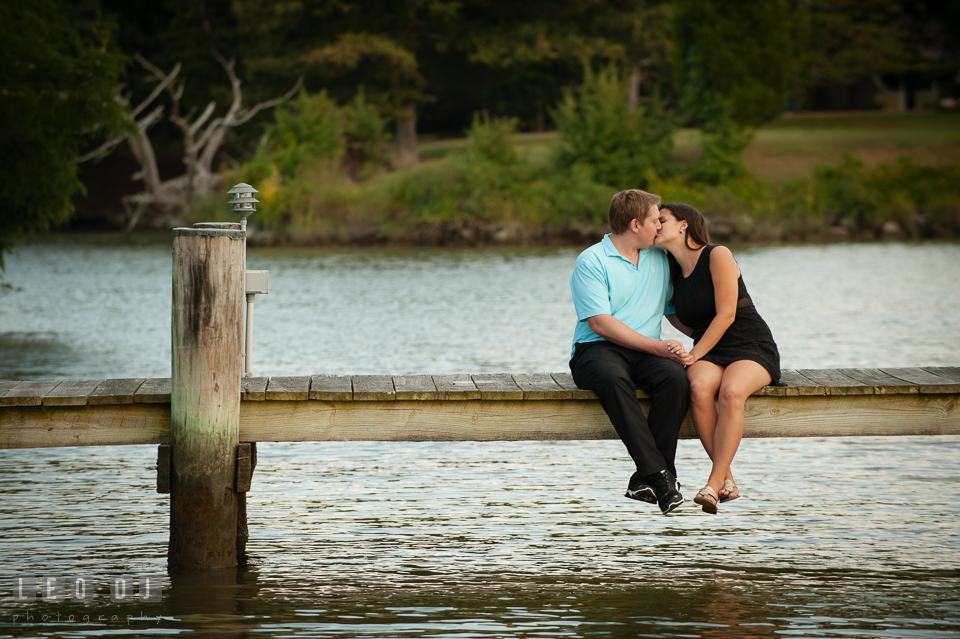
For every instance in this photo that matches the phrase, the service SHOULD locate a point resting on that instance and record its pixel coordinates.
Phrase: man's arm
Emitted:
(613, 330)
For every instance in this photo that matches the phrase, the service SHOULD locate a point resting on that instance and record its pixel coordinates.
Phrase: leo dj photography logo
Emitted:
(85, 588)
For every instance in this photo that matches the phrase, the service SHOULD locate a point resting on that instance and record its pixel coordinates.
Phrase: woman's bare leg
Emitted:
(739, 380)
(705, 378)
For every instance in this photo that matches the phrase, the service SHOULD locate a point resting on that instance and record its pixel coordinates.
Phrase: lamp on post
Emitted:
(245, 205)
(244, 202)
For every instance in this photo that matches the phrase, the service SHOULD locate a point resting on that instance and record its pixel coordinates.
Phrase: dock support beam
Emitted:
(207, 330)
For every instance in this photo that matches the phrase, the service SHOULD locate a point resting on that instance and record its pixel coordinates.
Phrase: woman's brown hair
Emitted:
(696, 225)
(696, 231)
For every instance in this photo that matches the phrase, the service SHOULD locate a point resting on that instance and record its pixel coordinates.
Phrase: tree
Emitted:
(203, 135)
(59, 69)
(733, 59)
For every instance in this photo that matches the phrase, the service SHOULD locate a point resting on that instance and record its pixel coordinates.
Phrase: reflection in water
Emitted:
(512, 539)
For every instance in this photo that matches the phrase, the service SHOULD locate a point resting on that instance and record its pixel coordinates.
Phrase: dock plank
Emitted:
(882, 383)
(928, 383)
(539, 386)
(793, 381)
(287, 389)
(71, 392)
(456, 387)
(6, 385)
(331, 387)
(28, 393)
(415, 387)
(368, 388)
(950, 372)
(497, 386)
(154, 391)
(253, 389)
(565, 381)
(115, 391)
(835, 382)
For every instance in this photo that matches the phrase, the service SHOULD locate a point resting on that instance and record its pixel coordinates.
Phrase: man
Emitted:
(621, 290)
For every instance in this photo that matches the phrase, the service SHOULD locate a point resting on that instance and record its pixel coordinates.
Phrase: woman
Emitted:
(733, 354)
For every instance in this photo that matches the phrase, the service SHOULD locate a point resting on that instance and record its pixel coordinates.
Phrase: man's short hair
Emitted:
(632, 204)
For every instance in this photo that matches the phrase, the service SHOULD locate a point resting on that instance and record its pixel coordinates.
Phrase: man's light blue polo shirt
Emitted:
(606, 283)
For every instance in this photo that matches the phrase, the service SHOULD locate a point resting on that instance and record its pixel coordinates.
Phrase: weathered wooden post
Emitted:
(207, 329)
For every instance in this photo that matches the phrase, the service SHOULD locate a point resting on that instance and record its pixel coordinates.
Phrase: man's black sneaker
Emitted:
(641, 491)
(665, 485)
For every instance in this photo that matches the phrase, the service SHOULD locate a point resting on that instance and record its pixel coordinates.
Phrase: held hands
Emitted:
(672, 349)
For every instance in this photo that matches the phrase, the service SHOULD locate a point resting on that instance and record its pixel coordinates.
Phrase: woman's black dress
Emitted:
(748, 337)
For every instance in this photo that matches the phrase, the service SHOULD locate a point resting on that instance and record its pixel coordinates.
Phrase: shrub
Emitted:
(620, 147)
(723, 145)
(491, 139)
(365, 133)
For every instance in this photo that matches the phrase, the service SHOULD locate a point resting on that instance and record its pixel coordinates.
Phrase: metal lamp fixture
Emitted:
(256, 282)
(244, 202)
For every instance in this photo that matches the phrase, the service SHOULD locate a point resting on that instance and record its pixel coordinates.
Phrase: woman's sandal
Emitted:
(732, 491)
(708, 499)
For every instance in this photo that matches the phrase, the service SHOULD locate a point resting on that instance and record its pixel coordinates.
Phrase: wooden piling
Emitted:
(207, 329)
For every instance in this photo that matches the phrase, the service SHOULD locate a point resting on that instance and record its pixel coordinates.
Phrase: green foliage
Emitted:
(723, 145)
(58, 72)
(621, 148)
(304, 129)
(737, 53)
(856, 196)
(492, 139)
(365, 133)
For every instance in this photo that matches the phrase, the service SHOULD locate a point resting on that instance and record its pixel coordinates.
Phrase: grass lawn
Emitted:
(790, 147)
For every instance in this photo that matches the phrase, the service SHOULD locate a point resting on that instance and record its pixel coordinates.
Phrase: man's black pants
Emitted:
(615, 373)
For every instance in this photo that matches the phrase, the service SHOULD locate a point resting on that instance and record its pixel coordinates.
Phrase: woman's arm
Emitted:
(725, 273)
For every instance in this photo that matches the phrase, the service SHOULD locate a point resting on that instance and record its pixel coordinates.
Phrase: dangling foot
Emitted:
(729, 492)
(707, 498)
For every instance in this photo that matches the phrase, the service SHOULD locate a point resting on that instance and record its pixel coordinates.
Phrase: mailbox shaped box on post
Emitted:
(258, 282)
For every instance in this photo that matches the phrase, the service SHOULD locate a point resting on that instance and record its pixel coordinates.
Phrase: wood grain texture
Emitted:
(496, 386)
(882, 383)
(245, 463)
(331, 387)
(812, 416)
(950, 372)
(111, 425)
(115, 391)
(371, 388)
(835, 382)
(456, 387)
(206, 370)
(254, 389)
(391, 420)
(565, 381)
(154, 391)
(71, 392)
(792, 382)
(6, 385)
(288, 389)
(29, 393)
(539, 386)
(927, 383)
(164, 457)
(415, 387)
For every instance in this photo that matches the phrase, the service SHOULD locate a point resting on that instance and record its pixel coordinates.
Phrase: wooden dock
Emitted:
(206, 419)
(487, 407)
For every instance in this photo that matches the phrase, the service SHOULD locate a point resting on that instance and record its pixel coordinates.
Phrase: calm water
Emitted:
(855, 537)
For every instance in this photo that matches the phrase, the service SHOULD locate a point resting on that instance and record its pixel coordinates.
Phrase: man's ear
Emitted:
(635, 225)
